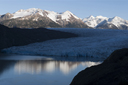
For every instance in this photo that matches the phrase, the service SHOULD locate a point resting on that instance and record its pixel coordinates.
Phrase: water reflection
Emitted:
(38, 66)
(38, 70)
(5, 65)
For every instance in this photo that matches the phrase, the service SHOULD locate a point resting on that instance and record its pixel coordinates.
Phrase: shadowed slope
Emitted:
(17, 37)
(113, 71)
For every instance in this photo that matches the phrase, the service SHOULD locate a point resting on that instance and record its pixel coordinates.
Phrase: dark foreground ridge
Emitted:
(17, 37)
(113, 71)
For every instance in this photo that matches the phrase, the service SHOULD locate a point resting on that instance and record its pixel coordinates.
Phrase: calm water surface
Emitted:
(38, 70)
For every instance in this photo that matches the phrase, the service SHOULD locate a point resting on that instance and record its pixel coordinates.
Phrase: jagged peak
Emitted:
(21, 10)
(116, 18)
(31, 10)
(68, 12)
(90, 17)
(34, 9)
(50, 11)
(8, 13)
(100, 16)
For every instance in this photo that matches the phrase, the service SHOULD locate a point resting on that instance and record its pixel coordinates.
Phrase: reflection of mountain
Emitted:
(5, 64)
(38, 66)
(90, 63)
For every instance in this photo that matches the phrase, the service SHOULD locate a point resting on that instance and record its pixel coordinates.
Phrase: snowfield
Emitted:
(91, 44)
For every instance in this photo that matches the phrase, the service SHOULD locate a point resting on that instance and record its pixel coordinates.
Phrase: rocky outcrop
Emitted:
(113, 71)
(17, 37)
(34, 21)
(6, 16)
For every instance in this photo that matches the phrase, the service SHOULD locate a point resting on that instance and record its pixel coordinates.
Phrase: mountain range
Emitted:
(104, 22)
(36, 18)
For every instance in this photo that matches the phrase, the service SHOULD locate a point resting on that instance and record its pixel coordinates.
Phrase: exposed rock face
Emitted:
(17, 37)
(106, 25)
(32, 21)
(113, 71)
(5, 16)
(36, 18)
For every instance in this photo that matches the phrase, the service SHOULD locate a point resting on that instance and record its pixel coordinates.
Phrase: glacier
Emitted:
(95, 44)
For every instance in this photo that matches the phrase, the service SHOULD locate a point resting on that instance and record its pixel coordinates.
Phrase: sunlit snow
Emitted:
(23, 13)
(94, 21)
(50, 14)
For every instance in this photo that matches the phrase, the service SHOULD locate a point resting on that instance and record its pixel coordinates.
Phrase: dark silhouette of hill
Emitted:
(17, 37)
(113, 71)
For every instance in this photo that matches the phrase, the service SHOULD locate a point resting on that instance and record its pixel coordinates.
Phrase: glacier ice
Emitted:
(91, 43)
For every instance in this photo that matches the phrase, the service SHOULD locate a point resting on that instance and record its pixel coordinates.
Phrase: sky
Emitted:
(81, 8)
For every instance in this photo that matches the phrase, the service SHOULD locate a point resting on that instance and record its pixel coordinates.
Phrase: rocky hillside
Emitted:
(113, 71)
(35, 18)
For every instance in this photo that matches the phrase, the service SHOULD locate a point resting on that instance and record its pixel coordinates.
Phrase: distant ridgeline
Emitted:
(17, 37)
(36, 18)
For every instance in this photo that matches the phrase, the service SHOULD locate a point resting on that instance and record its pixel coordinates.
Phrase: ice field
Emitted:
(91, 43)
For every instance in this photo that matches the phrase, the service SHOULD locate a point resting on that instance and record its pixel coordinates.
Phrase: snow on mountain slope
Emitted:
(117, 21)
(90, 21)
(104, 22)
(51, 14)
(66, 19)
(23, 13)
(35, 16)
(66, 15)
(113, 23)
(94, 21)
(63, 16)
(106, 25)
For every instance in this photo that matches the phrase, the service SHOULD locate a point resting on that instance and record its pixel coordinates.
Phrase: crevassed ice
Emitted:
(91, 43)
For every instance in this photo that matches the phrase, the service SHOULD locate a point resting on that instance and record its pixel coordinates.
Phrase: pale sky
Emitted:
(81, 8)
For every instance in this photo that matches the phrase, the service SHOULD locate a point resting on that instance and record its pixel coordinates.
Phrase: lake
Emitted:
(60, 59)
(38, 70)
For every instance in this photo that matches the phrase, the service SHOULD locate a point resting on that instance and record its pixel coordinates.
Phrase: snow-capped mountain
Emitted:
(23, 13)
(6, 16)
(49, 18)
(117, 21)
(51, 14)
(35, 18)
(94, 21)
(105, 23)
